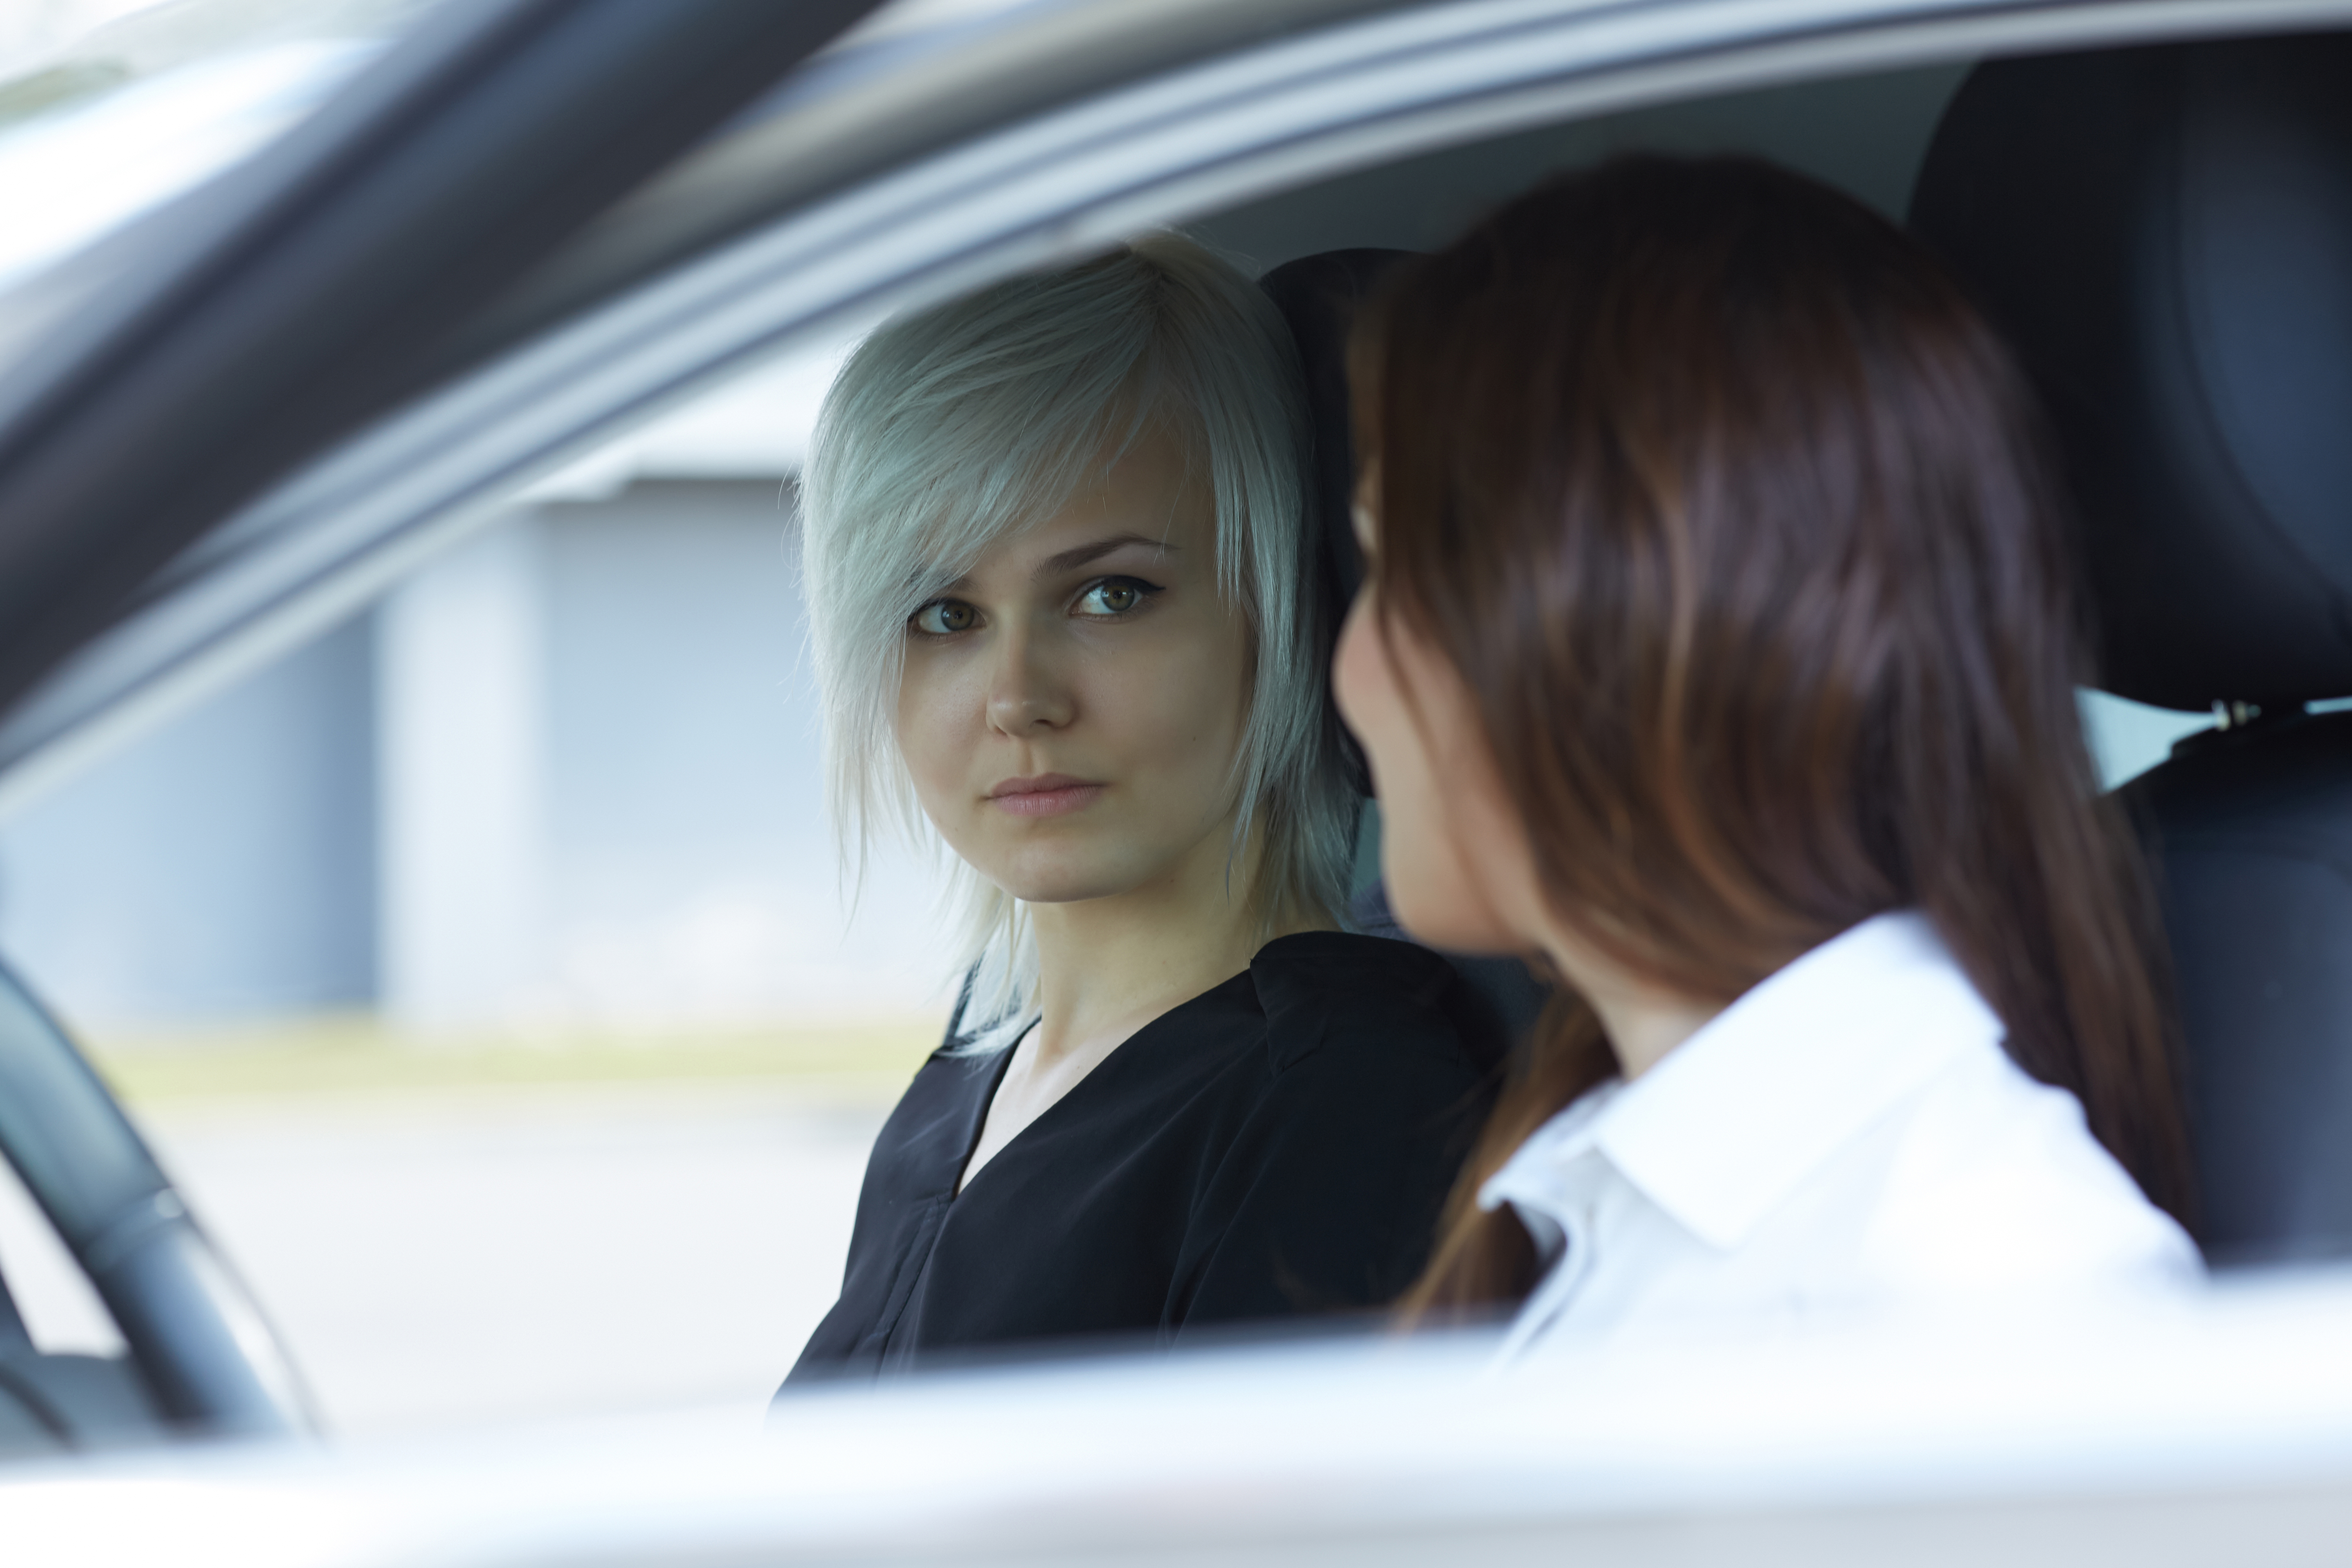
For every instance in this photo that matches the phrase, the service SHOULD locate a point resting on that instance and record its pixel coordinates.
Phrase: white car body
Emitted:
(2207, 1427)
(2166, 1431)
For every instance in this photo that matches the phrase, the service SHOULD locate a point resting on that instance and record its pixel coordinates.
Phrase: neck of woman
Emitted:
(1107, 966)
(1643, 1021)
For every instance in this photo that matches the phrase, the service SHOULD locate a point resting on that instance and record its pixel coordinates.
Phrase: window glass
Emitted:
(110, 108)
(484, 970)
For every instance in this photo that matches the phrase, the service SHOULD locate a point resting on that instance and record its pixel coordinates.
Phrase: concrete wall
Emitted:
(565, 775)
(221, 867)
(621, 821)
(462, 682)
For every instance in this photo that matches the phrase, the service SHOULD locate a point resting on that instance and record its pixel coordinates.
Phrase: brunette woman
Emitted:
(1717, 648)
(1055, 558)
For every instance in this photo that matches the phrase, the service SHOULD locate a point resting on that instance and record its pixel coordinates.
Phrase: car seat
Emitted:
(1317, 296)
(2166, 235)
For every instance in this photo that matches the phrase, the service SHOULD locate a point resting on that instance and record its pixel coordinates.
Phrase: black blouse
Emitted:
(1279, 1145)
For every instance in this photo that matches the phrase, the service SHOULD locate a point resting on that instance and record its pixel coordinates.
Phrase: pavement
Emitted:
(448, 1259)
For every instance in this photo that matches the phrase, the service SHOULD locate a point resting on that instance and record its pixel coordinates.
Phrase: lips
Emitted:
(1047, 795)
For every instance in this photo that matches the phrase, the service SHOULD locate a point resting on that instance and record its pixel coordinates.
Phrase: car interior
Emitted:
(2167, 235)
(2166, 232)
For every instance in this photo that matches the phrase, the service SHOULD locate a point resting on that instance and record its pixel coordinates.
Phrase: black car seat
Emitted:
(1317, 296)
(2166, 234)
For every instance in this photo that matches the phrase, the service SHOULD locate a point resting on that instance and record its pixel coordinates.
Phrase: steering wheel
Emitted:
(209, 1359)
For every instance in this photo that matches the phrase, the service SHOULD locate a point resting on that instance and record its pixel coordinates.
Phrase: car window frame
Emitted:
(1383, 81)
(290, 300)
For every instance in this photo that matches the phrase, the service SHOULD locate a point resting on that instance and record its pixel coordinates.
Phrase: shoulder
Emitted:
(2000, 1182)
(1328, 992)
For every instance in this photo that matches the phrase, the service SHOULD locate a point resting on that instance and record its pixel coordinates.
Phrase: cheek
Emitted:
(1362, 681)
(1171, 701)
(1433, 880)
(936, 725)
(1367, 684)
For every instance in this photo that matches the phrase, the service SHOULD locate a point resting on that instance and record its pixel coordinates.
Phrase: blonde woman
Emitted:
(1057, 573)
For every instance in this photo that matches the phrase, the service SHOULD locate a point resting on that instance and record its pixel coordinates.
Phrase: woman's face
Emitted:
(1453, 853)
(1071, 709)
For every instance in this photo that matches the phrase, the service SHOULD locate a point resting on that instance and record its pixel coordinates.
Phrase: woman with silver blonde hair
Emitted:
(1059, 583)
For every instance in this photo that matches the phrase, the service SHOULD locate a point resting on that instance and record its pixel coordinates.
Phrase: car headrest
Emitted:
(2165, 235)
(1317, 296)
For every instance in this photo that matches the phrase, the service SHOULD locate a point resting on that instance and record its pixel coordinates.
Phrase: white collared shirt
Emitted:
(1847, 1134)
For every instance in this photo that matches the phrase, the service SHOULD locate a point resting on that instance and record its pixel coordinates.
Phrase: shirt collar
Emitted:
(1724, 1127)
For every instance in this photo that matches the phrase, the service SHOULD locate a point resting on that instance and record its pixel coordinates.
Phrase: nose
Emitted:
(1025, 692)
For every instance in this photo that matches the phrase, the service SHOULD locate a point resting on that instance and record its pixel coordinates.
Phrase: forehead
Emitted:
(1151, 501)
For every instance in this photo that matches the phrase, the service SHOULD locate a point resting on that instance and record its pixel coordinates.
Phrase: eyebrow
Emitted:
(1083, 555)
(1088, 554)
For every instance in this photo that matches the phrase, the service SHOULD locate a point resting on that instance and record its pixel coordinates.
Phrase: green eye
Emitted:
(944, 617)
(1113, 596)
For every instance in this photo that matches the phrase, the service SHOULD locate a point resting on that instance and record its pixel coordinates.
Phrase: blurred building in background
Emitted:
(565, 776)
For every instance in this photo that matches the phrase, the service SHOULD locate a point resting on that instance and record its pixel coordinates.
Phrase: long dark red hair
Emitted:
(1732, 515)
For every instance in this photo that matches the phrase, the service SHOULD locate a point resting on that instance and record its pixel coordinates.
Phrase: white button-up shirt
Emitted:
(1849, 1133)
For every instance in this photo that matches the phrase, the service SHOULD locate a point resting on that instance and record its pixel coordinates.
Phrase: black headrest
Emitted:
(2166, 235)
(1317, 296)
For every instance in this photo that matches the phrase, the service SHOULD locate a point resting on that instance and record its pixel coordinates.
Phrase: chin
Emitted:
(1066, 884)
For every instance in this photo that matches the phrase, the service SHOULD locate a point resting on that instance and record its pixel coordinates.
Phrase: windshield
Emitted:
(110, 108)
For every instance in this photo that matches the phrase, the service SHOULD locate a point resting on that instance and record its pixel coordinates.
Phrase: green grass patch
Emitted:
(355, 1054)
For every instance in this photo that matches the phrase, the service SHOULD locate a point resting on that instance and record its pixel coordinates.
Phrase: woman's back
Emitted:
(1848, 1134)
(1719, 644)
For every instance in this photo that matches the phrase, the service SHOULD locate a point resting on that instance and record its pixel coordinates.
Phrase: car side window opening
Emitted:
(483, 968)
